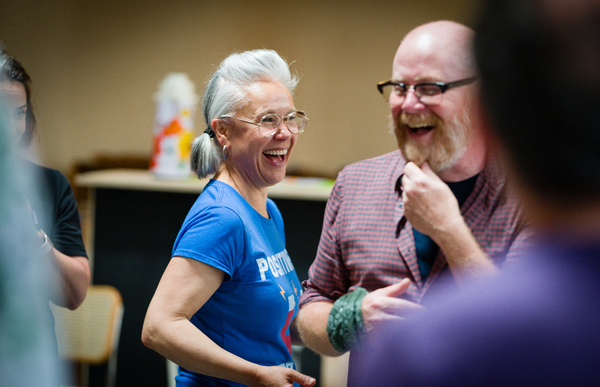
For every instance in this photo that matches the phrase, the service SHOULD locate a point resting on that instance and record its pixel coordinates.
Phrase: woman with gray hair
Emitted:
(225, 303)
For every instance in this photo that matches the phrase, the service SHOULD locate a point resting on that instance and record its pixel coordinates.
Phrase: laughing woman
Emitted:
(225, 303)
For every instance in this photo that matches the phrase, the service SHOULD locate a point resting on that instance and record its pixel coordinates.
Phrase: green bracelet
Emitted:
(345, 325)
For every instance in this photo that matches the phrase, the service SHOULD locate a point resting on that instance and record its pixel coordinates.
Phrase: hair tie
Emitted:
(210, 132)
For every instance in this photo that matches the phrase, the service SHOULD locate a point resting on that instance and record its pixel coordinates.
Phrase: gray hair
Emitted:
(227, 91)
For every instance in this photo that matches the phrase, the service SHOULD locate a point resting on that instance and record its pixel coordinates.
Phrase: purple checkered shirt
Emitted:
(367, 242)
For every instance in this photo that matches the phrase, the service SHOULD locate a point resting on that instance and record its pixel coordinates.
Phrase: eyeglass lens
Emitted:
(427, 94)
(270, 123)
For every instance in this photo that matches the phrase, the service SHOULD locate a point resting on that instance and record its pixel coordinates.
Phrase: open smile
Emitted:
(420, 130)
(276, 156)
(418, 124)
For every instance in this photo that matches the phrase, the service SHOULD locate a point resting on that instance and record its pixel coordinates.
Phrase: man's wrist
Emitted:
(345, 325)
(455, 229)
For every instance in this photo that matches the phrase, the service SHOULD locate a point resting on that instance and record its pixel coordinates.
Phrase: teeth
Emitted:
(276, 152)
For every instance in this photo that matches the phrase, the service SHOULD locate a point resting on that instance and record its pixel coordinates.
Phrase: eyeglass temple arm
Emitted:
(239, 119)
(460, 83)
(382, 84)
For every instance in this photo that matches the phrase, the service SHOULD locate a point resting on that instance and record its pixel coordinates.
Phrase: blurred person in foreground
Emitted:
(538, 322)
(53, 209)
(27, 340)
(437, 211)
(223, 308)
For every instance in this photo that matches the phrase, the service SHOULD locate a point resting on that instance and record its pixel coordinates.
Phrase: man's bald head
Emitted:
(447, 43)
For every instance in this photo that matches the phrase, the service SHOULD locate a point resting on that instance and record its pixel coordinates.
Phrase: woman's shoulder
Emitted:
(45, 172)
(210, 210)
(50, 181)
(216, 206)
(274, 210)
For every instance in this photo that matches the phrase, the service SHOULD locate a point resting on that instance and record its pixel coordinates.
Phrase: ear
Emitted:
(220, 128)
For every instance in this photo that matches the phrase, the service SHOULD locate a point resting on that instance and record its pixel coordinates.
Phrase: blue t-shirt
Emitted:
(250, 313)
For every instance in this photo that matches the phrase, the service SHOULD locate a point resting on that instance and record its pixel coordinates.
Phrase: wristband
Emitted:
(345, 325)
(47, 246)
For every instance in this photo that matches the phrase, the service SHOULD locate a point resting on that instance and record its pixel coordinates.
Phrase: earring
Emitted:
(224, 153)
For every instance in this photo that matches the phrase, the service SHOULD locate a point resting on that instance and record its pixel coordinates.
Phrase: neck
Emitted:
(463, 169)
(256, 197)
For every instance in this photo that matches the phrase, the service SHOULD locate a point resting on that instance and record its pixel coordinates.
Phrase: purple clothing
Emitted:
(366, 240)
(538, 323)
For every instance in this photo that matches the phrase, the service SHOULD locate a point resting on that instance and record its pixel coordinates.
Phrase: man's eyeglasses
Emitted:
(270, 123)
(429, 93)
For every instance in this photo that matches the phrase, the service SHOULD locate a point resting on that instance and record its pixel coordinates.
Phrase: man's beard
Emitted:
(448, 143)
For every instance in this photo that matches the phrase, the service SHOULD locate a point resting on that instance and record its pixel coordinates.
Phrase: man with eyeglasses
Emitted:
(400, 225)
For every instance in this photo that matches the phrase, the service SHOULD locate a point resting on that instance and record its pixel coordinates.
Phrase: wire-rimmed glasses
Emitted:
(429, 93)
(269, 124)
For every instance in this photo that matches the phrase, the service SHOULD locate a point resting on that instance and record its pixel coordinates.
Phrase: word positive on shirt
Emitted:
(278, 264)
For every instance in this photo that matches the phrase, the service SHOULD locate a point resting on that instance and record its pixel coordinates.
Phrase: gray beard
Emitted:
(448, 145)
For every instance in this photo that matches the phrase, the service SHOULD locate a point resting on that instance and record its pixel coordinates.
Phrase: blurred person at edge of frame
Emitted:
(27, 339)
(54, 212)
(537, 323)
(224, 305)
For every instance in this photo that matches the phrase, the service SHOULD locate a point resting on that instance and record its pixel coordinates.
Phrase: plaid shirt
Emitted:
(366, 240)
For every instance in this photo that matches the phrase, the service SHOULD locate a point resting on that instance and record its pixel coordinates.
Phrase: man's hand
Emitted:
(429, 204)
(383, 304)
(431, 208)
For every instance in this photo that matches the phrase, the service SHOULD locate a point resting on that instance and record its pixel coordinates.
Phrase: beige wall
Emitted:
(96, 63)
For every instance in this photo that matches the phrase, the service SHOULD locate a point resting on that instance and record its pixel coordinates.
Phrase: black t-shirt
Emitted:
(56, 210)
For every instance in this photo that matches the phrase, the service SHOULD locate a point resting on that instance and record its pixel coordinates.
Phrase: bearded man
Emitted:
(435, 211)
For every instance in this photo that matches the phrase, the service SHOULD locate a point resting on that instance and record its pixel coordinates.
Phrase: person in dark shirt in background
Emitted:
(54, 211)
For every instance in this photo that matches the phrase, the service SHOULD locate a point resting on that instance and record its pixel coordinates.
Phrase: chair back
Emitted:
(90, 334)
